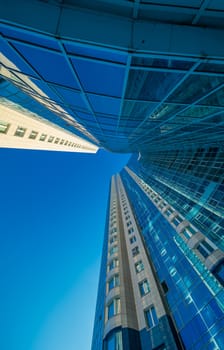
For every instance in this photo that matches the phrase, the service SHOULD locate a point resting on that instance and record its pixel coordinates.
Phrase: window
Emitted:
(164, 286)
(113, 239)
(114, 341)
(113, 230)
(132, 239)
(57, 140)
(151, 317)
(61, 142)
(66, 142)
(187, 234)
(144, 287)
(4, 127)
(113, 308)
(33, 135)
(20, 131)
(127, 217)
(113, 264)
(205, 248)
(51, 139)
(113, 282)
(139, 266)
(135, 251)
(177, 220)
(128, 223)
(113, 250)
(43, 137)
(130, 230)
(169, 211)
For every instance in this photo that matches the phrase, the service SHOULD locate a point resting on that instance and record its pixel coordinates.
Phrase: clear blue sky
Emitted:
(53, 207)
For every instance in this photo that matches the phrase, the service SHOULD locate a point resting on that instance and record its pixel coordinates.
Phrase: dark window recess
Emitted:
(165, 287)
(160, 347)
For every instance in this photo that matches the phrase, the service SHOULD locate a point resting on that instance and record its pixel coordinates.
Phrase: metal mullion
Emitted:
(78, 82)
(33, 45)
(136, 7)
(200, 11)
(100, 47)
(127, 69)
(96, 60)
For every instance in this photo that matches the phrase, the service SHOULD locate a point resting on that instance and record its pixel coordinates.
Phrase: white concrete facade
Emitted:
(20, 128)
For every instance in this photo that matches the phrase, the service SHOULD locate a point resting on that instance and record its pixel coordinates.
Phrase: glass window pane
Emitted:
(104, 79)
(51, 139)
(114, 282)
(154, 315)
(135, 251)
(191, 89)
(20, 131)
(110, 310)
(139, 266)
(4, 127)
(51, 66)
(43, 137)
(151, 317)
(114, 341)
(151, 86)
(132, 239)
(103, 104)
(144, 287)
(33, 134)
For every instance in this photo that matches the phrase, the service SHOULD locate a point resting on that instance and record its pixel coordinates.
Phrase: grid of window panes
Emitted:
(192, 182)
(13, 97)
(166, 101)
(196, 311)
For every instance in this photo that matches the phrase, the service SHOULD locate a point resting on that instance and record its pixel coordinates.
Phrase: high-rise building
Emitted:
(25, 124)
(143, 77)
(161, 280)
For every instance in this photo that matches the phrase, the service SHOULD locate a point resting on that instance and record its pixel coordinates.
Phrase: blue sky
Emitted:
(53, 207)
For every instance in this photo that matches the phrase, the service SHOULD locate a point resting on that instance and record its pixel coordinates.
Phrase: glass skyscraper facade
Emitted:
(131, 75)
(161, 279)
(141, 77)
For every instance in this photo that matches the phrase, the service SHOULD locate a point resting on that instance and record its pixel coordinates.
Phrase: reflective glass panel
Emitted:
(51, 66)
(100, 78)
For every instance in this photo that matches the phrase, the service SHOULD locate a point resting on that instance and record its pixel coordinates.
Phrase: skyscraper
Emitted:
(23, 124)
(143, 77)
(161, 279)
